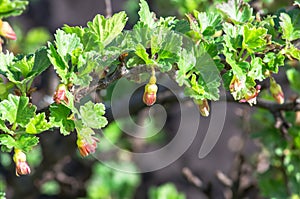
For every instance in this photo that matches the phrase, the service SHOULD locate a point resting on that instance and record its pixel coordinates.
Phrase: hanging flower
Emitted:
(276, 91)
(7, 31)
(60, 94)
(22, 167)
(149, 97)
(87, 146)
(250, 97)
(203, 107)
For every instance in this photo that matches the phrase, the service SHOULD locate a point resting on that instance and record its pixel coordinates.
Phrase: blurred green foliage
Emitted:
(166, 191)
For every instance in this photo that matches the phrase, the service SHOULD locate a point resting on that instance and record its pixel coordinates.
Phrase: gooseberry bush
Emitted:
(230, 46)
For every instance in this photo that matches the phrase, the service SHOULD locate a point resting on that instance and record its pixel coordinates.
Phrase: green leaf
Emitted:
(273, 61)
(8, 141)
(4, 128)
(26, 142)
(5, 61)
(92, 115)
(167, 48)
(254, 38)
(235, 67)
(142, 53)
(186, 62)
(21, 72)
(256, 70)
(233, 37)
(236, 11)
(60, 116)
(146, 16)
(208, 22)
(291, 52)
(10, 8)
(37, 124)
(66, 43)
(59, 63)
(293, 76)
(78, 31)
(62, 54)
(289, 32)
(17, 110)
(106, 30)
(41, 62)
(166, 191)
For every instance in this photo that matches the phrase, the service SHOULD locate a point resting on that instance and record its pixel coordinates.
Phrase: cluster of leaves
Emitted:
(230, 44)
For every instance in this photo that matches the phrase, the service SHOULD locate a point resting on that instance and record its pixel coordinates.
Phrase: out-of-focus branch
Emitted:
(108, 8)
(197, 182)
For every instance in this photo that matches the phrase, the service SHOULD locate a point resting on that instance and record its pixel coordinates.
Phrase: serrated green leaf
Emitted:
(106, 30)
(10, 8)
(208, 22)
(60, 117)
(77, 30)
(273, 61)
(26, 142)
(17, 110)
(92, 115)
(20, 69)
(256, 69)
(233, 37)
(5, 61)
(38, 124)
(291, 52)
(235, 67)
(289, 32)
(227, 77)
(41, 62)
(60, 55)
(4, 128)
(254, 38)
(66, 43)
(170, 46)
(146, 16)
(236, 11)
(58, 62)
(8, 141)
(140, 51)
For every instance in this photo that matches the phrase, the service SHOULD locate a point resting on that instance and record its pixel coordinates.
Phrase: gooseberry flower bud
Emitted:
(203, 107)
(87, 146)
(276, 91)
(297, 119)
(60, 94)
(149, 97)
(7, 31)
(22, 167)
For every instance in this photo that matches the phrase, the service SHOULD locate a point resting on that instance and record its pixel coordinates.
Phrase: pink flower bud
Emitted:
(7, 31)
(86, 146)
(60, 94)
(149, 97)
(276, 91)
(22, 167)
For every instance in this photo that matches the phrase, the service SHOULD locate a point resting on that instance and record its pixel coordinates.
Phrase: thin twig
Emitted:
(108, 8)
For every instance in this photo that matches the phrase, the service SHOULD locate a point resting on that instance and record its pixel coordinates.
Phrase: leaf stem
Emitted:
(241, 54)
(14, 127)
(246, 56)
